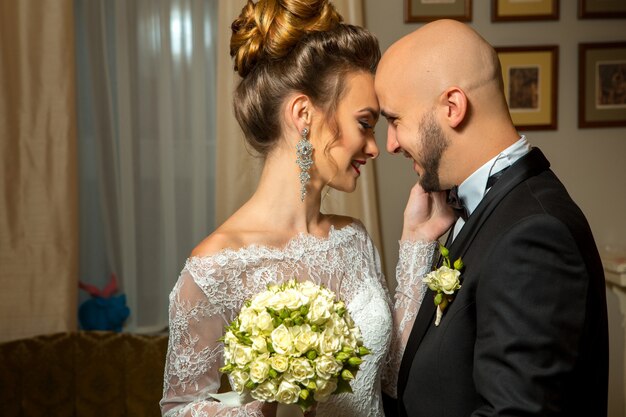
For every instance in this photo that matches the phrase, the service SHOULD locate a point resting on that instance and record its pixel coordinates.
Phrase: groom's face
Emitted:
(416, 135)
(412, 125)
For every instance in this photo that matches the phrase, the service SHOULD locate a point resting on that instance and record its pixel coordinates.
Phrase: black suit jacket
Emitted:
(526, 335)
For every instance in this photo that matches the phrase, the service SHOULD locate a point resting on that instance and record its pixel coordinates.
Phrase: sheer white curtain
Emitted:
(147, 96)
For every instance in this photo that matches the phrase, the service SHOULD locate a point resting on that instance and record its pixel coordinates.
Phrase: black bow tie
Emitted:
(457, 204)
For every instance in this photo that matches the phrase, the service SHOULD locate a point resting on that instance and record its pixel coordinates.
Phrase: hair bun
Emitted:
(269, 29)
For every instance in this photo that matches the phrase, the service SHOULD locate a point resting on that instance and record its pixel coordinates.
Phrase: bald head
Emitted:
(441, 54)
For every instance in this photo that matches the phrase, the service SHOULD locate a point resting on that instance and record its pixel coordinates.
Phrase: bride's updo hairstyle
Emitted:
(285, 46)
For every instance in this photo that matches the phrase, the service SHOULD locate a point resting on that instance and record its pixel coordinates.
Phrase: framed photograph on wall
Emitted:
(530, 76)
(602, 84)
(601, 9)
(429, 10)
(520, 10)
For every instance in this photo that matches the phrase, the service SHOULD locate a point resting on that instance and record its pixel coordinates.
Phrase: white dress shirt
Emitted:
(474, 188)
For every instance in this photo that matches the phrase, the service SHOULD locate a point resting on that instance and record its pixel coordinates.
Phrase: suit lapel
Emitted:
(529, 165)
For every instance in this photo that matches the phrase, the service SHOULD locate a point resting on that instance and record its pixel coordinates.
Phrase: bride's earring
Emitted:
(304, 150)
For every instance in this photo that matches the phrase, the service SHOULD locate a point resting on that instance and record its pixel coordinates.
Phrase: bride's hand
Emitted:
(427, 216)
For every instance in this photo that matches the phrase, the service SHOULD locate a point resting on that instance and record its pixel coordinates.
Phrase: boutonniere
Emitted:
(444, 281)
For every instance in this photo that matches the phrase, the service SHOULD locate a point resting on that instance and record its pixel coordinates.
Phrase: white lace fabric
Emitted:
(211, 290)
(414, 262)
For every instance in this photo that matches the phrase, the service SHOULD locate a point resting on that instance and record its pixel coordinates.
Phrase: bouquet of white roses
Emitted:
(294, 344)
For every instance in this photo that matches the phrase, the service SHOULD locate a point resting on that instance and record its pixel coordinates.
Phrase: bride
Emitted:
(306, 104)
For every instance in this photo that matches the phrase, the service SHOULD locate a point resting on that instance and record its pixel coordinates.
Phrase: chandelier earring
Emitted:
(304, 151)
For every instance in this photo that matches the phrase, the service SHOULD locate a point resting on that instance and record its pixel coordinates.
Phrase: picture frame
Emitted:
(602, 84)
(524, 10)
(530, 75)
(428, 10)
(601, 9)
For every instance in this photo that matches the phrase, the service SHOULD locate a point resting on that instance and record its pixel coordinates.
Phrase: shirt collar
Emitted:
(473, 189)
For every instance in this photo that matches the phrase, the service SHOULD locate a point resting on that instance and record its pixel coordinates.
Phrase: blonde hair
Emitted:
(285, 46)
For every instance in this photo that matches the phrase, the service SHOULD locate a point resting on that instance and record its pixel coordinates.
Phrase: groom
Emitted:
(526, 334)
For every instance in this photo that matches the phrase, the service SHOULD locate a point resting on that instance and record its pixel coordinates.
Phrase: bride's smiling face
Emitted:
(346, 141)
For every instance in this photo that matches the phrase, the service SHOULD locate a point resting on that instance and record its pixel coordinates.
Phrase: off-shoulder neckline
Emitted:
(335, 236)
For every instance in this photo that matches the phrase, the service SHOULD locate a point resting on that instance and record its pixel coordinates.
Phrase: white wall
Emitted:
(590, 162)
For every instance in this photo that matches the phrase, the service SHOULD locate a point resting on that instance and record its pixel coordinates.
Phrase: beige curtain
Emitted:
(237, 170)
(38, 185)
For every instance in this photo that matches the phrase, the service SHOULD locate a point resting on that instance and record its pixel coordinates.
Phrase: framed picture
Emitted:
(530, 76)
(602, 84)
(601, 9)
(428, 10)
(518, 10)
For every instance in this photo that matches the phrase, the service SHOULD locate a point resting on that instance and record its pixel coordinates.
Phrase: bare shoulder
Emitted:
(217, 241)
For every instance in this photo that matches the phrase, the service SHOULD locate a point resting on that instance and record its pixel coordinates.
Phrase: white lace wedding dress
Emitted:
(211, 290)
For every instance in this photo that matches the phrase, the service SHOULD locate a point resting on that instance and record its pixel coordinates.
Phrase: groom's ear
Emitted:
(454, 102)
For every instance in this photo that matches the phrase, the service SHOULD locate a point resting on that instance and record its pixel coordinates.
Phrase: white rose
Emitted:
(326, 366)
(320, 310)
(339, 326)
(305, 340)
(294, 299)
(432, 280)
(282, 340)
(301, 369)
(238, 379)
(230, 338)
(330, 342)
(247, 319)
(259, 370)
(259, 344)
(277, 302)
(265, 391)
(449, 279)
(261, 301)
(287, 393)
(264, 322)
(328, 294)
(324, 389)
(242, 354)
(355, 336)
(309, 289)
(279, 362)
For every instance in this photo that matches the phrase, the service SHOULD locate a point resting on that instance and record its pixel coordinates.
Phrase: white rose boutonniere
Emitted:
(444, 281)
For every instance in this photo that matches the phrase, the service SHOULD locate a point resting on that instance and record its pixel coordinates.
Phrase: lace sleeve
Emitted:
(415, 261)
(194, 355)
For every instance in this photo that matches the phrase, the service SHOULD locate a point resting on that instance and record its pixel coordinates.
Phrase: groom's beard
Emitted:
(434, 142)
